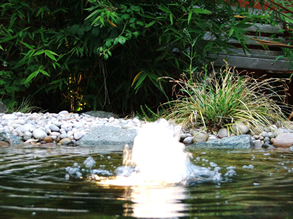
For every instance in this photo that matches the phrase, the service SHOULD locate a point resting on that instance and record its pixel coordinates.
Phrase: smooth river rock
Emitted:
(283, 140)
(234, 142)
(108, 135)
(39, 134)
(240, 128)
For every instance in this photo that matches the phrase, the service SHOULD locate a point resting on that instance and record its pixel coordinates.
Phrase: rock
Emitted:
(65, 141)
(63, 135)
(3, 143)
(48, 139)
(283, 140)
(14, 139)
(240, 128)
(101, 114)
(108, 135)
(235, 142)
(212, 138)
(257, 144)
(54, 128)
(200, 137)
(5, 138)
(188, 140)
(63, 112)
(266, 146)
(223, 133)
(2, 108)
(27, 135)
(279, 131)
(39, 134)
(78, 135)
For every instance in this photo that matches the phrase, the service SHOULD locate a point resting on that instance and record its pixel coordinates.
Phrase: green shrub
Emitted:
(225, 97)
(89, 54)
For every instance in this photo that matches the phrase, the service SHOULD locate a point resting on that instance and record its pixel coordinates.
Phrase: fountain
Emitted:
(158, 158)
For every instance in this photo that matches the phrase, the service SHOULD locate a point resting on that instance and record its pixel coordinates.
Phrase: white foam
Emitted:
(157, 157)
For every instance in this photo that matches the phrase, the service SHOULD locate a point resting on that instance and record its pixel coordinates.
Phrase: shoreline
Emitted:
(86, 129)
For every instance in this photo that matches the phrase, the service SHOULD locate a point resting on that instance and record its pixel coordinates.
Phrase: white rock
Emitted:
(9, 116)
(27, 135)
(188, 140)
(54, 134)
(212, 138)
(58, 124)
(39, 134)
(54, 128)
(240, 128)
(78, 135)
(223, 133)
(63, 112)
(200, 137)
(63, 135)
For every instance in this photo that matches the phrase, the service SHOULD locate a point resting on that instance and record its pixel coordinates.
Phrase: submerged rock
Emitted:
(234, 142)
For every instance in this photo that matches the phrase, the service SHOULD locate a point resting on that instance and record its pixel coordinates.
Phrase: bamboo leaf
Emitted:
(31, 76)
(39, 52)
(50, 54)
(150, 24)
(27, 45)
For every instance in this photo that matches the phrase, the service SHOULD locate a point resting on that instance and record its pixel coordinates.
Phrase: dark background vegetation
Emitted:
(84, 55)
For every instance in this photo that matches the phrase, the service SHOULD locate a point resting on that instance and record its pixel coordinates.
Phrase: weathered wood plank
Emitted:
(254, 63)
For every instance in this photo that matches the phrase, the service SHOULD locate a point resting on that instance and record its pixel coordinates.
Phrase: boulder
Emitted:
(283, 140)
(108, 135)
(101, 114)
(235, 142)
(2, 108)
(4, 138)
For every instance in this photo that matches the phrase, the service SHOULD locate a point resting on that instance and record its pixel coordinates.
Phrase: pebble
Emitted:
(188, 140)
(39, 134)
(200, 137)
(240, 128)
(67, 128)
(223, 133)
(55, 127)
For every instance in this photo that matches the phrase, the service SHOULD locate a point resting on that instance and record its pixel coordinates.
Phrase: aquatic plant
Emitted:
(223, 97)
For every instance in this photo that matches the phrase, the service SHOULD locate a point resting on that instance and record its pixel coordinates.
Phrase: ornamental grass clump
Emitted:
(223, 98)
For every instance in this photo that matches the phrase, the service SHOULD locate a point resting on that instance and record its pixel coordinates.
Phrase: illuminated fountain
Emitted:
(158, 158)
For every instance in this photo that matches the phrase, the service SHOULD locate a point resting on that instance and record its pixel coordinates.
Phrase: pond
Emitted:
(35, 184)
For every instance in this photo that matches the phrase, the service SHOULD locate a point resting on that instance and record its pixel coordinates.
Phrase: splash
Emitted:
(157, 157)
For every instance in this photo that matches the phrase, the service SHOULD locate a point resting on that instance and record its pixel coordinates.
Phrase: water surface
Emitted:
(33, 184)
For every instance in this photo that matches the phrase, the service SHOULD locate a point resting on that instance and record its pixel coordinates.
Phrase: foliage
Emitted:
(148, 114)
(25, 106)
(89, 54)
(224, 98)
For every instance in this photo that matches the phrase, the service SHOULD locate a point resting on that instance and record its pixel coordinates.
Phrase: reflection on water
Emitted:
(157, 201)
(33, 184)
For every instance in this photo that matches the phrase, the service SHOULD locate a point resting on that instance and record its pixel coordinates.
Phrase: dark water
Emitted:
(33, 185)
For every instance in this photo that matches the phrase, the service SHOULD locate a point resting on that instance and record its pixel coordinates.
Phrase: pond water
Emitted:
(35, 184)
